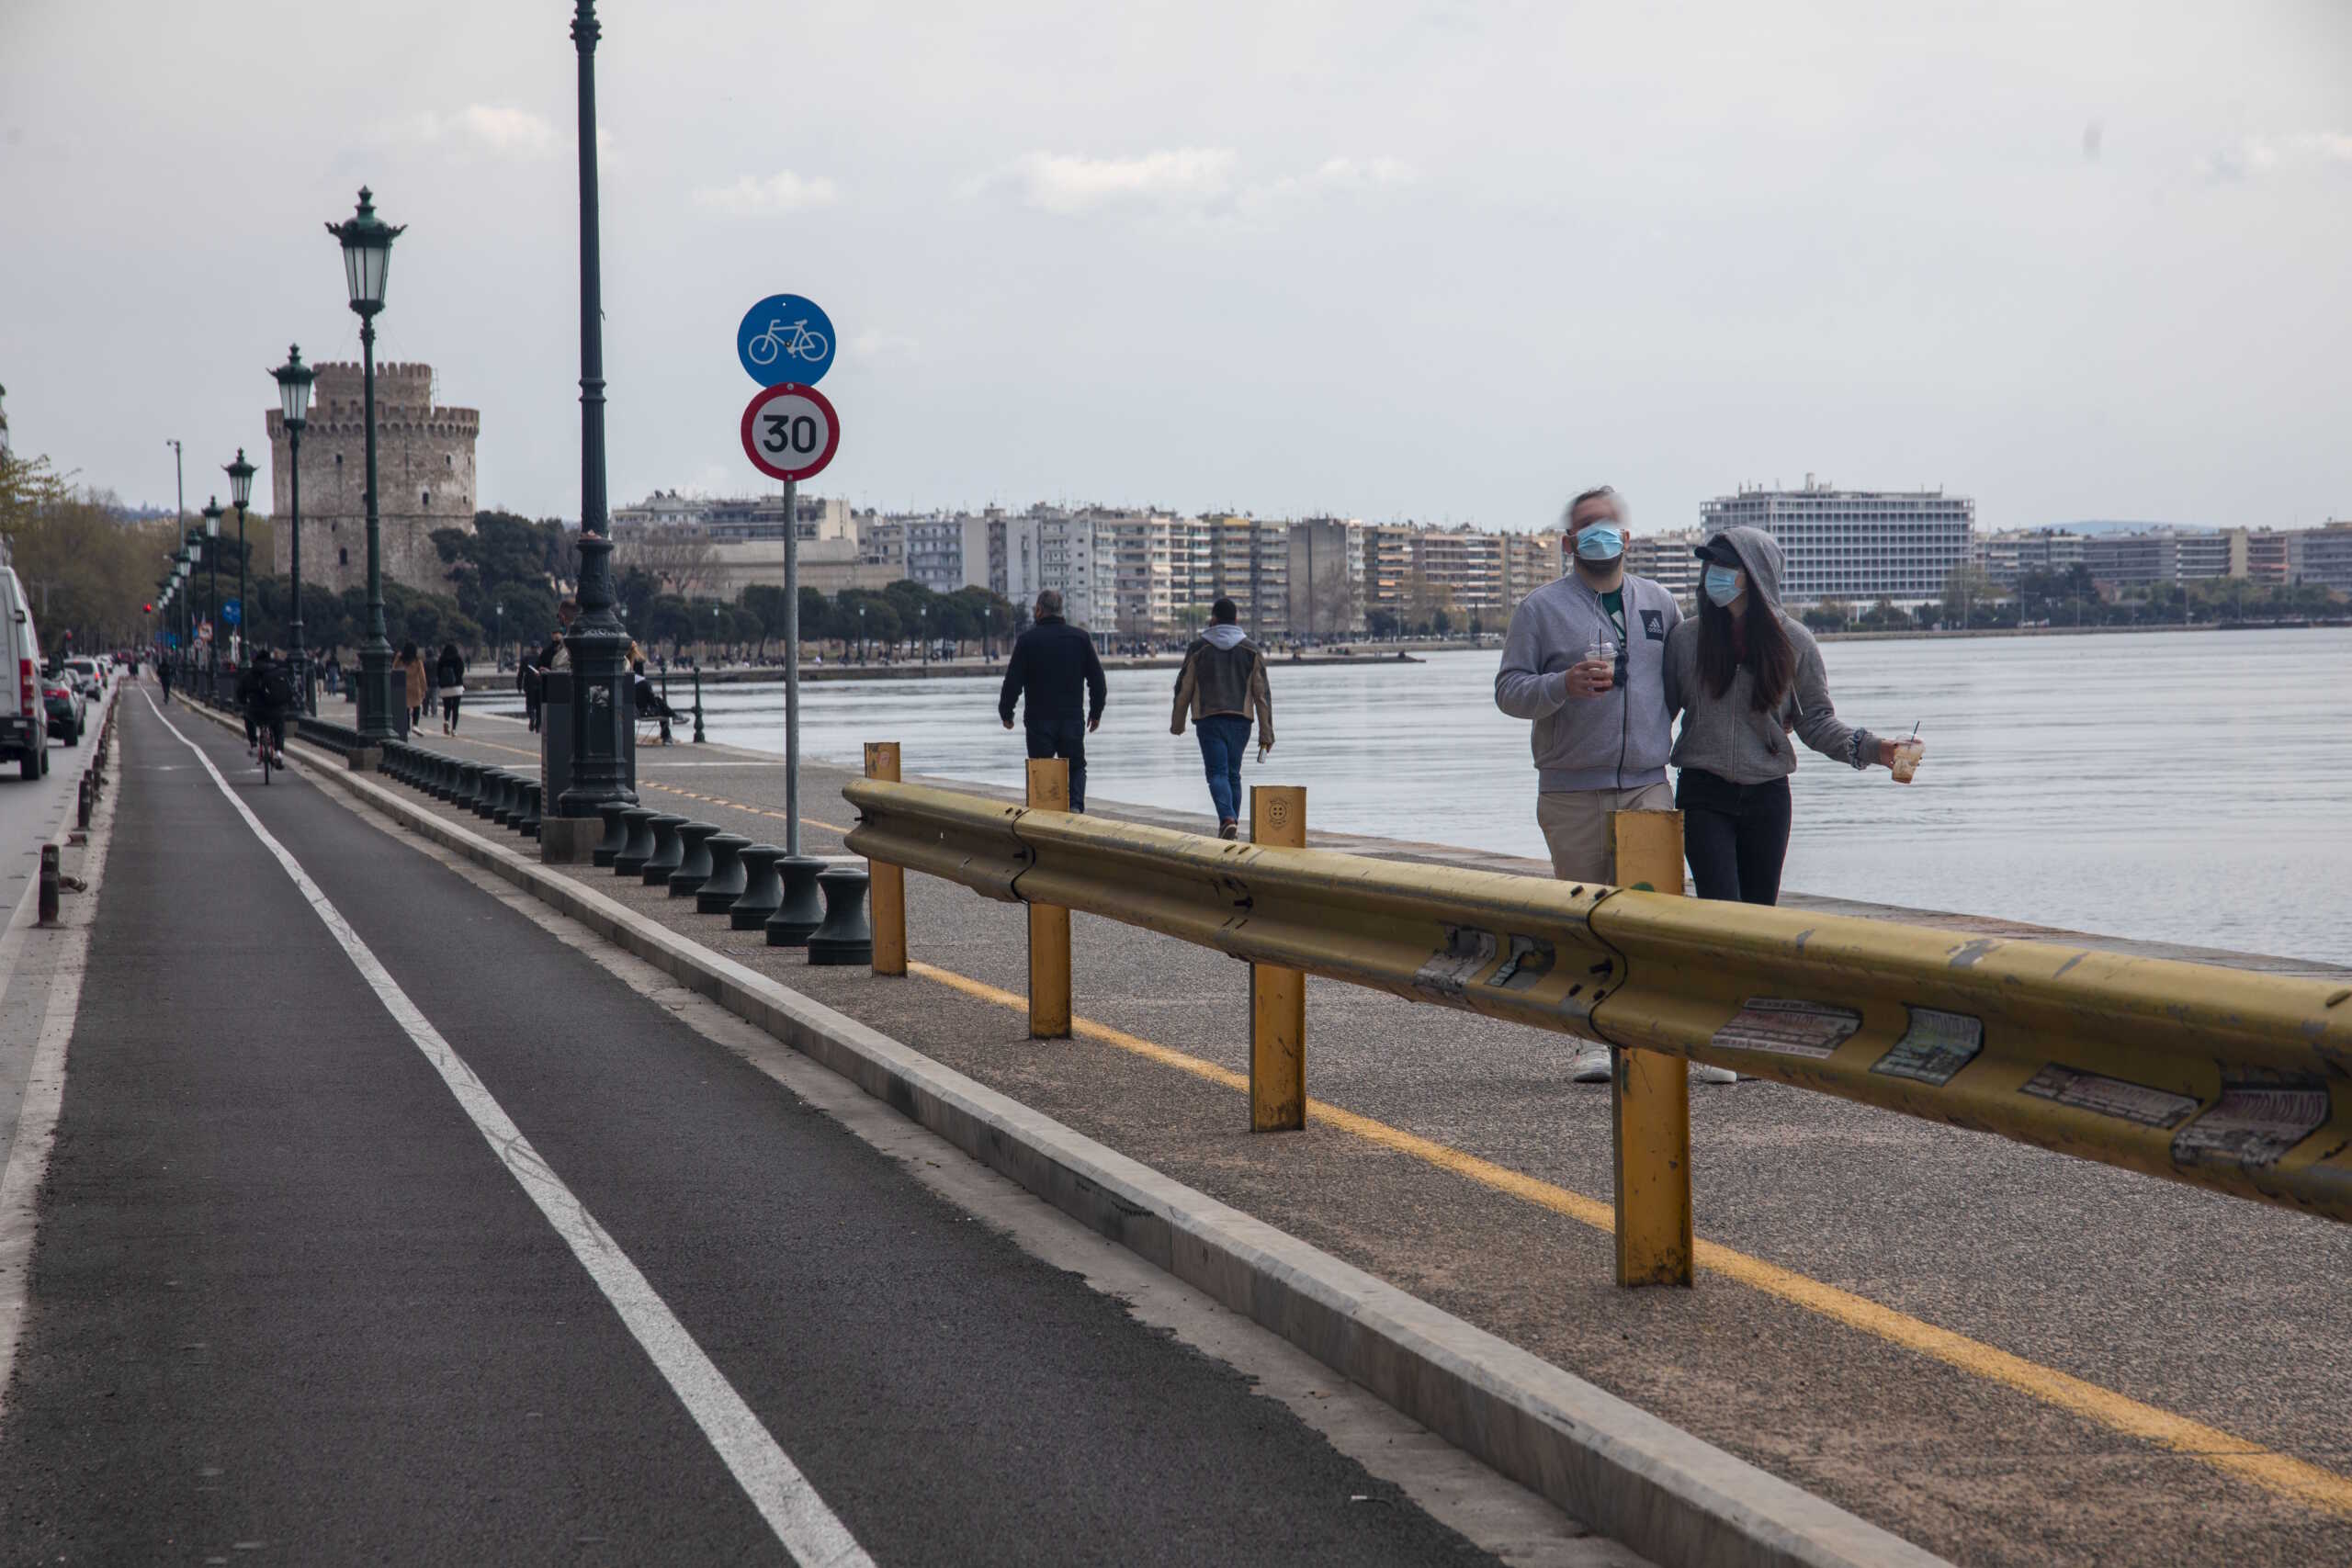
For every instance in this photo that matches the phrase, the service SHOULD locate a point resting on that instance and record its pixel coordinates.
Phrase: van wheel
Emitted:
(35, 764)
(73, 736)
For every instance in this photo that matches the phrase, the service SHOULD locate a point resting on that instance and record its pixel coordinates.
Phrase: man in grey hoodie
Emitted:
(1222, 681)
(1585, 658)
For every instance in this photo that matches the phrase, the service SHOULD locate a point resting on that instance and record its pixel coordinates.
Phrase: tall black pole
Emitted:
(245, 606)
(375, 647)
(294, 588)
(212, 569)
(602, 718)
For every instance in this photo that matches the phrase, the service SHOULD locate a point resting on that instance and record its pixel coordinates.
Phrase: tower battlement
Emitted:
(424, 466)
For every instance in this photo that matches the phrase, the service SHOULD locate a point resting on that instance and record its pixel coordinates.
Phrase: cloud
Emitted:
(1065, 183)
(782, 191)
(495, 129)
(875, 345)
(2253, 157)
(1363, 173)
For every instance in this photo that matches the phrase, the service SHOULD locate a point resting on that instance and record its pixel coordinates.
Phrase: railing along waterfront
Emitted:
(2218, 1077)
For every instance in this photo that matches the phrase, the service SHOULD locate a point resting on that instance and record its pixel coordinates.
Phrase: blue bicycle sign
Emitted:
(786, 337)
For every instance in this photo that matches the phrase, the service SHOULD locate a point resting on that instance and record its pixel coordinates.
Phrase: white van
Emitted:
(24, 720)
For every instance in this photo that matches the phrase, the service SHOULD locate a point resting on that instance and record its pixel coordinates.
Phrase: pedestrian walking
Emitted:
(1222, 683)
(450, 676)
(1745, 675)
(163, 675)
(1056, 677)
(408, 689)
(1585, 659)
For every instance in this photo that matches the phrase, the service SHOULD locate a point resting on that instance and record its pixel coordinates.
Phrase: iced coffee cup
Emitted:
(1906, 758)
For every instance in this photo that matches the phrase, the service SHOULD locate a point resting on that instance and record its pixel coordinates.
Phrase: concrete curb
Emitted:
(1626, 1474)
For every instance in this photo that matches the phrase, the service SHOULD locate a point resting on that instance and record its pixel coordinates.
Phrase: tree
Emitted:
(1968, 594)
(681, 560)
(84, 569)
(763, 605)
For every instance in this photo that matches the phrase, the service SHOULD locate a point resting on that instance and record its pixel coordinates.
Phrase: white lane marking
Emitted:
(783, 1495)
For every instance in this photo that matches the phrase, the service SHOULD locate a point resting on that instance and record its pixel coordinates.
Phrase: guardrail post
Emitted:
(49, 881)
(889, 890)
(1277, 997)
(1049, 926)
(1650, 1093)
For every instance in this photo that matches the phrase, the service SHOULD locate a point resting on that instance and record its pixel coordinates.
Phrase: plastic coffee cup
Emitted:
(1907, 759)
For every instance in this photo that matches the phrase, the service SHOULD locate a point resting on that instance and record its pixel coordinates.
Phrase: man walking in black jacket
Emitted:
(1054, 662)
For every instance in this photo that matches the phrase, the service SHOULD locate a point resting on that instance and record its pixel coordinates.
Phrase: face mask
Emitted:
(1600, 543)
(1723, 584)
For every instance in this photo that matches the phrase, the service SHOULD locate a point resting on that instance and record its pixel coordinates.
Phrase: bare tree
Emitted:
(680, 557)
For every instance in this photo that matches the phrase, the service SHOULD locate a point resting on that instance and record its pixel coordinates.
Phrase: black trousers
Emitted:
(1735, 836)
(1063, 738)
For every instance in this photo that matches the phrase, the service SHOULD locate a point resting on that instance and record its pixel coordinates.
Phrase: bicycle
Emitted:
(266, 748)
(802, 345)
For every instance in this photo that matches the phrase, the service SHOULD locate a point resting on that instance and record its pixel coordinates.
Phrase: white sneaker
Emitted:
(1589, 1065)
(1702, 1073)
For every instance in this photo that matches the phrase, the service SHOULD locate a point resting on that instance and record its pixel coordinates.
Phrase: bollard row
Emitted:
(797, 900)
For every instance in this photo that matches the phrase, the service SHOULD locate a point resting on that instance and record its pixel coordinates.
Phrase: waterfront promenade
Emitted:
(292, 1295)
(1965, 1340)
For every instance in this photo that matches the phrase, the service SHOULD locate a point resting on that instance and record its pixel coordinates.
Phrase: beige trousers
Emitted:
(1576, 826)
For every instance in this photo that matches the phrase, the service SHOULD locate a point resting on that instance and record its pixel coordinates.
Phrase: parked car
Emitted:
(66, 706)
(23, 723)
(91, 672)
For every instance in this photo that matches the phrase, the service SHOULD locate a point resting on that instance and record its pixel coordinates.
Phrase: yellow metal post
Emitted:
(1277, 997)
(888, 883)
(1650, 1093)
(1049, 926)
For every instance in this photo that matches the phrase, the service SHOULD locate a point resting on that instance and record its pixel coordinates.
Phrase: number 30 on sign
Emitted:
(790, 431)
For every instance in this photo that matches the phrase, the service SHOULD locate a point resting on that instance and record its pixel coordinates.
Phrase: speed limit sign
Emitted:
(790, 431)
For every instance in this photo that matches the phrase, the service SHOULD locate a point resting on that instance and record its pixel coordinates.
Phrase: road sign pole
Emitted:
(792, 666)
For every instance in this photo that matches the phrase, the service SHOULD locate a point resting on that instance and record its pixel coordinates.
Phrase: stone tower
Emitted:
(424, 477)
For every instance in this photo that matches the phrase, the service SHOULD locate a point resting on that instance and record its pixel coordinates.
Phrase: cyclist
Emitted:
(265, 690)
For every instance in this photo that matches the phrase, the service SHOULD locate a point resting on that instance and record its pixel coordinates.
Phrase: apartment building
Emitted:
(2009, 557)
(1325, 575)
(1249, 564)
(1462, 571)
(1530, 560)
(1069, 551)
(1669, 559)
(722, 519)
(1855, 545)
(2322, 556)
(949, 551)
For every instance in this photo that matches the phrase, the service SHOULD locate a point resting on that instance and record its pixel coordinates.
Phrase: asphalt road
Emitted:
(287, 1302)
(2095, 1305)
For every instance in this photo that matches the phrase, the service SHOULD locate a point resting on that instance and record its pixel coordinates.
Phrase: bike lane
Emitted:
(284, 1292)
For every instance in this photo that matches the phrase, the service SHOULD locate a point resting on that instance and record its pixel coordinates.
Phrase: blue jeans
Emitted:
(1224, 737)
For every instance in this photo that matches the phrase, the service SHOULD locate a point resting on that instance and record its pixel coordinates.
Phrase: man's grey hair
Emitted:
(1049, 603)
(1598, 492)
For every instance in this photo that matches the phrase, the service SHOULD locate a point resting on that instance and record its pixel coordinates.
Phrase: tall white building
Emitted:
(1051, 546)
(1852, 544)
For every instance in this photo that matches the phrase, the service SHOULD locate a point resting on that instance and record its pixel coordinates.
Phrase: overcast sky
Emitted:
(1448, 261)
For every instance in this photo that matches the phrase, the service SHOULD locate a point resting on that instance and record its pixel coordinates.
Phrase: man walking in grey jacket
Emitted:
(1585, 659)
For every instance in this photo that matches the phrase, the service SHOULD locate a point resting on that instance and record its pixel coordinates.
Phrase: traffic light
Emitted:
(146, 609)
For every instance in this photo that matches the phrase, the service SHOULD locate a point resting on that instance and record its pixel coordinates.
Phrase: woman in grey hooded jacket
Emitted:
(1744, 674)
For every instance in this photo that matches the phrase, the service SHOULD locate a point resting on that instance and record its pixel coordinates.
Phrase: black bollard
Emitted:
(845, 937)
(526, 820)
(802, 910)
(694, 858)
(724, 884)
(615, 832)
(699, 702)
(487, 783)
(469, 788)
(638, 847)
(763, 889)
(510, 797)
(668, 852)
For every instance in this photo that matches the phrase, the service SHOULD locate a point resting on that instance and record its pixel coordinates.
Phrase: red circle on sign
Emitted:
(801, 465)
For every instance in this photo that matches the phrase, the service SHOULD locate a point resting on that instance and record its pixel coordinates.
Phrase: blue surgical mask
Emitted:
(1600, 542)
(1723, 584)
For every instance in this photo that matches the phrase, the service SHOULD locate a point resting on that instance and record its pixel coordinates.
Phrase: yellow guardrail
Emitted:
(2218, 1077)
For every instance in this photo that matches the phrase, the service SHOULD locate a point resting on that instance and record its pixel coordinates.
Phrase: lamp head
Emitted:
(294, 380)
(367, 241)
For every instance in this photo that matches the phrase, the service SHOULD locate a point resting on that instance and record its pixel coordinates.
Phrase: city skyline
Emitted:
(1299, 274)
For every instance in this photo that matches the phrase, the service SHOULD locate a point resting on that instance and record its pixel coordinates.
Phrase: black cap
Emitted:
(1719, 550)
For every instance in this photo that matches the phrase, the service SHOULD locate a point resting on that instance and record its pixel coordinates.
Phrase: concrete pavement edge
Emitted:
(1625, 1473)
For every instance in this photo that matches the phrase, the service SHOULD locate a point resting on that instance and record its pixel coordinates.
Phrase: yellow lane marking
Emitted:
(2308, 1484)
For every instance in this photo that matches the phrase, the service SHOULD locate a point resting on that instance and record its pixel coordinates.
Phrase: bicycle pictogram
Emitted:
(811, 346)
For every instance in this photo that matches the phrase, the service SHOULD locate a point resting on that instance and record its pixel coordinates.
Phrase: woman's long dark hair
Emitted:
(1771, 662)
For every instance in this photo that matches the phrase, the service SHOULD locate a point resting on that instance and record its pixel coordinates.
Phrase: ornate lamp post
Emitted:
(294, 403)
(366, 242)
(597, 642)
(212, 569)
(241, 493)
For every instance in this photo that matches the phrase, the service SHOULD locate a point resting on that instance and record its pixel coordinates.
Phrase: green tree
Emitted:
(1969, 596)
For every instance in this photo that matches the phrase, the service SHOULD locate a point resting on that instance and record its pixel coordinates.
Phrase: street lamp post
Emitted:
(294, 404)
(241, 493)
(366, 242)
(861, 634)
(597, 642)
(923, 623)
(212, 569)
